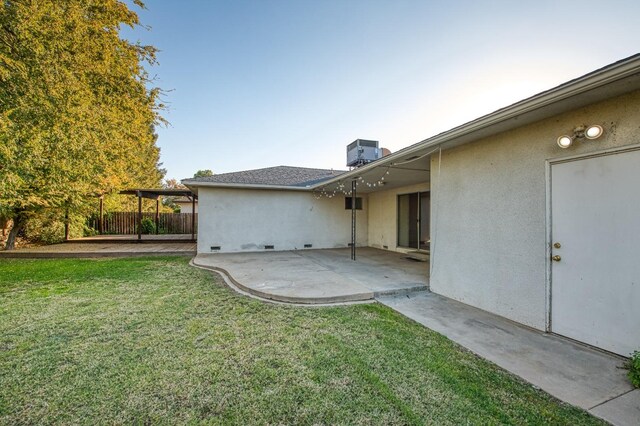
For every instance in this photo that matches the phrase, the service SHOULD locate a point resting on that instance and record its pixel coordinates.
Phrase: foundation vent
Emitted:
(268, 247)
(215, 248)
(308, 245)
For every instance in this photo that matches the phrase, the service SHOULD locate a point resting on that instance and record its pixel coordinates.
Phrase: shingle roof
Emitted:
(278, 176)
(183, 200)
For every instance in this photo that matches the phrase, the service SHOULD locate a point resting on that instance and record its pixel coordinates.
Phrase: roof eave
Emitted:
(617, 72)
(193, 185)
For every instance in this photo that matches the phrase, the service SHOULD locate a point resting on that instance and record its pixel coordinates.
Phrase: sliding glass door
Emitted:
(413, 220)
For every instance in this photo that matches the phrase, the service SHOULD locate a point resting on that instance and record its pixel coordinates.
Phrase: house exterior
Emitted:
(273, 208)
(516, 224)
(186, 205)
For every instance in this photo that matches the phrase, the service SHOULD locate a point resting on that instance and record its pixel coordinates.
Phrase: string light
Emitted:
(324, 192)
(340, 187)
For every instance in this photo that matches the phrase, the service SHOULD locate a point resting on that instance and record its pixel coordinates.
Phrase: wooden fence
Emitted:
(126, 223)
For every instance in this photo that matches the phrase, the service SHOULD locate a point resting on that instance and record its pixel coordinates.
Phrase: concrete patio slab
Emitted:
(574, 373)
(319, 276)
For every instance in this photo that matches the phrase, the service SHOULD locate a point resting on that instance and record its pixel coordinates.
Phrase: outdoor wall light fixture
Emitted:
(591, 132)
(565, 141)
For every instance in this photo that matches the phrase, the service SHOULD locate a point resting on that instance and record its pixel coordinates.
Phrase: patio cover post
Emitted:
(193, 217)
(139, 216)
(66, 223)
(157, 214)
(101, 218)
(353, 220)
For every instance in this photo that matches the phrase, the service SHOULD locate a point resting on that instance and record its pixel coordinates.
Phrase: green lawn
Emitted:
(155, 341)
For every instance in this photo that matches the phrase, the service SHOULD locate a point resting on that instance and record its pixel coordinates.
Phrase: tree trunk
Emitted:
(18, 224)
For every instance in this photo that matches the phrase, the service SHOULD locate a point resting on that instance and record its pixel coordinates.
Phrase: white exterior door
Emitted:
(595, 220)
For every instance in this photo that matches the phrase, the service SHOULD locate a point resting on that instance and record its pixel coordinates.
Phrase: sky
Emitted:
(261, 83)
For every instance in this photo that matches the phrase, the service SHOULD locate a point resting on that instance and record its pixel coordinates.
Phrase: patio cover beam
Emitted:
(155, 193)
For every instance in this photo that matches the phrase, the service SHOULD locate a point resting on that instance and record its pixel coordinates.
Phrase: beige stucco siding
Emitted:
(187, 207)
(383, 216)
(489, 209)
(247, 220)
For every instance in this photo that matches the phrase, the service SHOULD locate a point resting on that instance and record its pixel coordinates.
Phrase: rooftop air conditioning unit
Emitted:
(361, 152)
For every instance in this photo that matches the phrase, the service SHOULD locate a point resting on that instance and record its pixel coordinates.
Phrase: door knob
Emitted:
(557, 245)
(556, 258)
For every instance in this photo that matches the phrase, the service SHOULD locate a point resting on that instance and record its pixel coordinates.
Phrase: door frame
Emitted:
(419, 230)
(549, 211)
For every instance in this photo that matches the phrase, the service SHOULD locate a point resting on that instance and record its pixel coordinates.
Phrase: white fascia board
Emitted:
(198, 184)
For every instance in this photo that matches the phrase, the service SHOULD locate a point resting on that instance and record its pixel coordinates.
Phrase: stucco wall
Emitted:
(489, 209)
(383, 216)
(247, 220)
(186, 207)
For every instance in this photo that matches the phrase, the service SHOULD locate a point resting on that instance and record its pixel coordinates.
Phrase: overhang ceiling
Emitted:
(386, 175)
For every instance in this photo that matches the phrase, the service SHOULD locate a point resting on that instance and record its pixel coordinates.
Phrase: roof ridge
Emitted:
(274, 175)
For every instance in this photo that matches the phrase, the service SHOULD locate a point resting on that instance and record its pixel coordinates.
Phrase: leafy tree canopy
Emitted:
(77, 111)
(203, 173)
(173, 184)
(169, 201)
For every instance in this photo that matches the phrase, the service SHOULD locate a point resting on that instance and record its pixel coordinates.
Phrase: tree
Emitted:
(77, 116)
(173, 184)
(203, 173)
(170, 201)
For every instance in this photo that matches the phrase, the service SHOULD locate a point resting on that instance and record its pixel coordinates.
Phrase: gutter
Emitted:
(195, 184)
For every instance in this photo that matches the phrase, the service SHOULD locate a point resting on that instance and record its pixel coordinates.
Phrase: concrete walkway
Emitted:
(319, 276)
(146, 238)
(103, 249)
(573, 373)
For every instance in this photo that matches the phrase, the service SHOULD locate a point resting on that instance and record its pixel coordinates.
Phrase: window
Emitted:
(347, 203)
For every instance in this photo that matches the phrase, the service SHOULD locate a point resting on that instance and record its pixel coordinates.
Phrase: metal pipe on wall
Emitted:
(353, 220)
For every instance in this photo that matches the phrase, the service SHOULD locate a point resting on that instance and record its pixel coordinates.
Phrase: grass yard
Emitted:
(152, 340)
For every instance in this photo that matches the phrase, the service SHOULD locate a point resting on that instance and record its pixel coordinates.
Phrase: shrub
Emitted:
(47, 227)
(148, 226)
(89, 231)
(634, 369)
